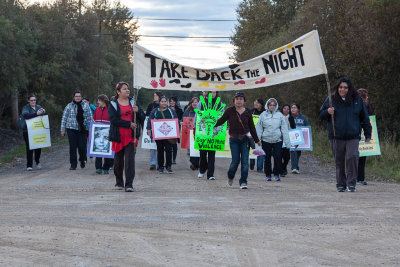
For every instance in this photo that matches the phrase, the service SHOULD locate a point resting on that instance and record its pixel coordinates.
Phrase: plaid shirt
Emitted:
(69, 121)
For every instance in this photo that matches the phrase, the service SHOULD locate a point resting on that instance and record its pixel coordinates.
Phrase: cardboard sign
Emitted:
(165, 129)
(38, 132)
(188, 124)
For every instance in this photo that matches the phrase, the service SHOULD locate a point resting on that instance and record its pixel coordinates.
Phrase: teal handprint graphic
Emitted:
(210, 114)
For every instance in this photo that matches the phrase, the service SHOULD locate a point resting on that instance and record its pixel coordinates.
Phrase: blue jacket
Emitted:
(348, 119)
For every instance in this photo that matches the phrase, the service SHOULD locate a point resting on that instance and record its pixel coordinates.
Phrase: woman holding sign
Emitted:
(350, 115)
(29, 111)
(273, 131)
(164, 145)
(121, 113)
(300, 120)
(241, 128)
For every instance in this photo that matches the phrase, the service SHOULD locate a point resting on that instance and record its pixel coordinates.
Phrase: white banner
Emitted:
(38, 132)
(299, 59)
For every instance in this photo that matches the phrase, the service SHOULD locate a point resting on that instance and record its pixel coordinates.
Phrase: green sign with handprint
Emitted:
(207, 137)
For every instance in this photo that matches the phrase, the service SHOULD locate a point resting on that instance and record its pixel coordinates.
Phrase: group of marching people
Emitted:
(347, 114)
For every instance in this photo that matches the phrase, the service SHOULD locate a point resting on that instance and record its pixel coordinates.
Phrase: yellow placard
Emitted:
(38, 124)
(39, 139)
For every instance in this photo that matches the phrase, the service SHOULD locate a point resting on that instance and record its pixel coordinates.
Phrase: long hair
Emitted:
(191, 102)
(351, 94)
(262, 103)
(103, 98)
(118, 88)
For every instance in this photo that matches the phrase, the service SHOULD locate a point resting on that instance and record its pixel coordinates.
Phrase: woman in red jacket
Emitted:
(101, 115)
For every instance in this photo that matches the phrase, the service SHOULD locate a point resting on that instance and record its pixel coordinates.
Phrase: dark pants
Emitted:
(107, 163)
(195, 161)
(29, 152)
(285, 159)
(164, 146)
(77, 140)
(174, 151)
(346, 159)
(272, 150)
(240, 154)
(207, 162)
(361, 169)
(125, 159)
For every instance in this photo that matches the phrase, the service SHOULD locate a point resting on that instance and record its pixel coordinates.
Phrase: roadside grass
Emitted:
(19, 151)
(384, 167)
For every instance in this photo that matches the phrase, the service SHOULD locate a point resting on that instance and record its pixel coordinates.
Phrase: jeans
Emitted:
(295, 157)
(99, 163)
(240, 154)
(164, 146)
(285, 159)
(153, 157)
(29, 152)
(207, 162)
(260, 163)
(274, 150)
(77, 140)
(125, 159)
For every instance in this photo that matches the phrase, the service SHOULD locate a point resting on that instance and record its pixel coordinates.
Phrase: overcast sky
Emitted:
(203, 53)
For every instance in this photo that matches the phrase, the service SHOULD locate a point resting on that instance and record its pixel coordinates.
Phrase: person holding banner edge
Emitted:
(350, 115)
(121, 113)
(165, 145)
(241, 128)
(29, 111)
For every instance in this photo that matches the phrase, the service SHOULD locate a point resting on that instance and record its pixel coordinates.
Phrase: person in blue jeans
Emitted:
(273, 130)
(241, 127)
(257, 110)
(300, 120)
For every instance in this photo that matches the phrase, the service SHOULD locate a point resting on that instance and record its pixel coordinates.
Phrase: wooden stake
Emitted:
(330, 102)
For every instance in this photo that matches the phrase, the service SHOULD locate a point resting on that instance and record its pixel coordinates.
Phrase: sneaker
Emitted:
(230, 182)
(29, 168)
(284, 173)
(160, 170)
(118, 187)
(294, 170)
(243, 186)
(277, 178)
(211, 178)
(200, 175)
(362, 183)
(99, 171)
(340, 189)
(173, 162)
(170, 171)
(72, 168)
(39, 166)
(83, 164)
(297, 171)
(105, 171)
(111, 168)
(153, 167)
(268, 178)
(351, 189)
(129, 189)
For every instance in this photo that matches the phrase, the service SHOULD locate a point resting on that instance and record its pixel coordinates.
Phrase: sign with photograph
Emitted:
(99, 145)
(372, 148)
(165, 129)
(147, 141)
(38, 132)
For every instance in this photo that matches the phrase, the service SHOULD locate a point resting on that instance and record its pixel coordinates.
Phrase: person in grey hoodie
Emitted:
(273, 131)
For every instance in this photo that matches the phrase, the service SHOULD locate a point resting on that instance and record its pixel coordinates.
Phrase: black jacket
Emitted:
(150, 108)
(348, 119)
(114, 113)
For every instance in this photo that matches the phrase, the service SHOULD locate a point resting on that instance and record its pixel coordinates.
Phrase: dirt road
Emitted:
(57, 217)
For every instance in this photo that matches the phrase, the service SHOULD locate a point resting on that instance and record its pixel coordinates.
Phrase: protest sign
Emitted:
(147, 141)
(299, 59)
(38, 132)
(296, 137)
(188, 124)
(99, 145)
(307, 137)
(165, 129)
(372, 148)
(255, 119)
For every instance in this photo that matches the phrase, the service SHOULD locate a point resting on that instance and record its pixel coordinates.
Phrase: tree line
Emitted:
(360, 39)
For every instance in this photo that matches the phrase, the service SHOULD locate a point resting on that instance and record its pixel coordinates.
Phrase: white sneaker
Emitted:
(211, 178)
(201, 175)
(39, 166)
(29, 168)
(293, 170)
(243, 186)
(297, 171)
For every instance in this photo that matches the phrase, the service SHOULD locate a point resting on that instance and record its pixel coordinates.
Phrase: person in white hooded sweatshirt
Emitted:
(272, 129)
